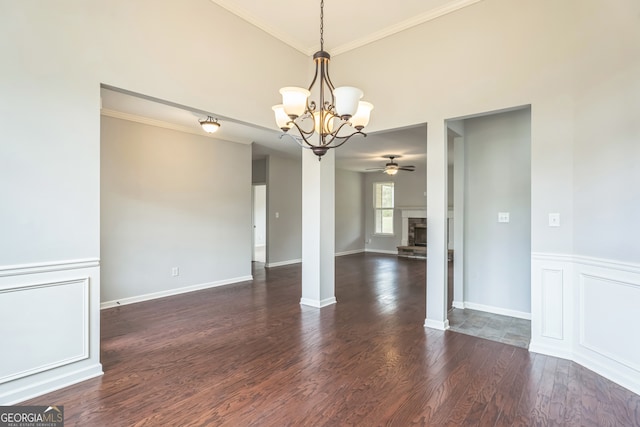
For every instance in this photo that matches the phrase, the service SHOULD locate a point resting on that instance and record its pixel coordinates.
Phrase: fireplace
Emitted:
(416, 232)
(420, 235)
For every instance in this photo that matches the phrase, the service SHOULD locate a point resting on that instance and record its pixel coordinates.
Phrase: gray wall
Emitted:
(167, 201)
(259, 171)
(498, 170)
(284, 197)
(350, 224)
(409, 192)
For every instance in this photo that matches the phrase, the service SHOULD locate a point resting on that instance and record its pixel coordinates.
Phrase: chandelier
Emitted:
(338, 115)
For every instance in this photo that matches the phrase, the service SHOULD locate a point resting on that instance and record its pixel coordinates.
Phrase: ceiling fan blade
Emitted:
(407, 168)
(374, 169)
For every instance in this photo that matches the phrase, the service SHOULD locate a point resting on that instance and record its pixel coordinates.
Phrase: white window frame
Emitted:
(377, 209)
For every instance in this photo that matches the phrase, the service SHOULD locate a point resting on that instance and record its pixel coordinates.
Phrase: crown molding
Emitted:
(404, 25)
(230, 6)
(378, 35)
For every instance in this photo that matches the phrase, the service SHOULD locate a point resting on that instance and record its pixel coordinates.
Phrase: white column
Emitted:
(437, 225)
(318, 229)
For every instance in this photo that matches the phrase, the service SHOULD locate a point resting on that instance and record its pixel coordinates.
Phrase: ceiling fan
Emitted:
(392, 167)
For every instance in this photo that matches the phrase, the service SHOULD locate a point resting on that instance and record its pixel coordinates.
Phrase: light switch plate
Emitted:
(554, 220)
(503, 216)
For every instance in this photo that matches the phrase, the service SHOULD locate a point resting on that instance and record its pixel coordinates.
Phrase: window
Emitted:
(383, 207)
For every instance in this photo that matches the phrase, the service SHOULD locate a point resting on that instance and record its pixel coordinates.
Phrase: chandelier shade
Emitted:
(361, 118)
(347, 99)
(336, 114)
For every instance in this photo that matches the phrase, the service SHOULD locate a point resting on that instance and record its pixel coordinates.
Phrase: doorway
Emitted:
(259, 196)
(492, 240)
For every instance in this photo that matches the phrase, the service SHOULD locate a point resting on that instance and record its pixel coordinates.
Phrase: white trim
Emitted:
(47, 267)
(381, 251)
(494, 310)
(587, 260)
(619, 367)
(608, 370)
(436, 324)
(171, 292)
(282, 263)
(355, 251)
(550, 350)
(458, 304)
(370, 38)
(318, 303)
(404, 25)
(32, 390)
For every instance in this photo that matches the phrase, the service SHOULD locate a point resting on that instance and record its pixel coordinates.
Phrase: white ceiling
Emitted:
(347, 25)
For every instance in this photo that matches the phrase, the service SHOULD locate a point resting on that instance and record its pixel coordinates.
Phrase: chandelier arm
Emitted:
(342, 139)
(302, 135)
(297, 140)
(302, 131)
(313, 82)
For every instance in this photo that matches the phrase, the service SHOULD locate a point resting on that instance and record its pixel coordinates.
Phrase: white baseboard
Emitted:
(625, 377)
(171, 292)
(35, 389)
(381, 251)
(282, 263)
(458, 304)
(436, 324)
(318, 303)
(356, 251)
(492, 309)
(549, 350)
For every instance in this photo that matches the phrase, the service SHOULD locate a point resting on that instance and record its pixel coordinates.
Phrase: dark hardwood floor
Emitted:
(249, 355)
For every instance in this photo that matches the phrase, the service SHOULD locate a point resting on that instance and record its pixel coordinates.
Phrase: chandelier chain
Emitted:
(322, 25)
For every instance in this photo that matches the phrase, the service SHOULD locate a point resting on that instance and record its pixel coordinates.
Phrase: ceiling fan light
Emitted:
(361, 118)
(391, 170)
(282, 119)
(346, 100)
(210, 125)
(294, 100)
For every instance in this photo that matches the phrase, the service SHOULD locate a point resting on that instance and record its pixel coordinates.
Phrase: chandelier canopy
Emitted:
(338, 115)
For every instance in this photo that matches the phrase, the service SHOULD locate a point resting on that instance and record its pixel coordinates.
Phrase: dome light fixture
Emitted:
(210, 125)
(338, 109)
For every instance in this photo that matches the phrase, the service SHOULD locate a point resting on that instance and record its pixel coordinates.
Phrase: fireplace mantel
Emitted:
(410, 212)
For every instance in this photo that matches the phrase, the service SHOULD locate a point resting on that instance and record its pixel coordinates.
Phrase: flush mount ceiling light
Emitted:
(338, 115)
(210, 124)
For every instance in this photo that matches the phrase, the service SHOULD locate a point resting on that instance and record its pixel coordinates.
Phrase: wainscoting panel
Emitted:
(43, 326)
(586, 310)
(552, 303)
(608, 326)
(49, 327)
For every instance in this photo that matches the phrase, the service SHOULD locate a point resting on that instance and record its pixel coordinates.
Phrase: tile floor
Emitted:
(504, 329)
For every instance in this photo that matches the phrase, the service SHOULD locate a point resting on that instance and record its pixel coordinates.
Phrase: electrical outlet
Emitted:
(175, 271)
